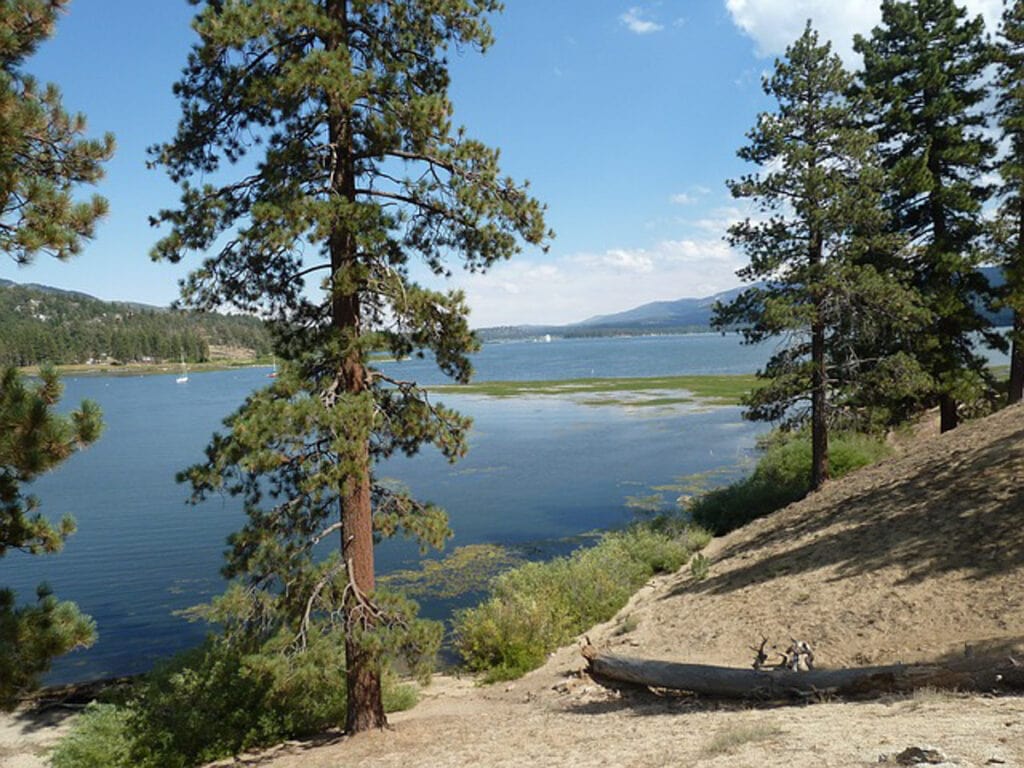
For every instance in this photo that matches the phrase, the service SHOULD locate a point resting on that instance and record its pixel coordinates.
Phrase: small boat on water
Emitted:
(184, 372)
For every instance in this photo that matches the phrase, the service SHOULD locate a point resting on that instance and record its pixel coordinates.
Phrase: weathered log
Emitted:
(777, 684)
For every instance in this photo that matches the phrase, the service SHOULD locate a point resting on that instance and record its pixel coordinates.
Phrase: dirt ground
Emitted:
(919, 558)
(26, 736)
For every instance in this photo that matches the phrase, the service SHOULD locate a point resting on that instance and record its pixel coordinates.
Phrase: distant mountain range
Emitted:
(659, 317)
(662, 317)
(690, 315)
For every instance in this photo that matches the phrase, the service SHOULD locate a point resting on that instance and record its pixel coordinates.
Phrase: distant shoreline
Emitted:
(146, 369)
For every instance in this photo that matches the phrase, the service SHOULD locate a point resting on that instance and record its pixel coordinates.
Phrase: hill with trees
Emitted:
(48, 325)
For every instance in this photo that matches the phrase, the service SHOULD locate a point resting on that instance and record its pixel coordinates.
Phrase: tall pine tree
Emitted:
(818, 199)
(33, 440)
(924, 69)
(357, 172)
(43, 157)
(1009, 226)
(43, 160)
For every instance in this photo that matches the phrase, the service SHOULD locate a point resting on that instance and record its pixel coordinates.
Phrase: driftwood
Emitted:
(781, 683)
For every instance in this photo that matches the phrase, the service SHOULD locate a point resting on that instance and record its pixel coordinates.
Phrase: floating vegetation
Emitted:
(467, 569)
(645, 392)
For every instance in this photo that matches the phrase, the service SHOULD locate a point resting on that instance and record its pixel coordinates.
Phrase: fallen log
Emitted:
(778, 684)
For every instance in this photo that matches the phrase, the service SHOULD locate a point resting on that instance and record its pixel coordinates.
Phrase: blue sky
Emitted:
(624, 116)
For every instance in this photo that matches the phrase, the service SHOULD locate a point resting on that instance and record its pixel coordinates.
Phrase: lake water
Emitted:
(539, 470)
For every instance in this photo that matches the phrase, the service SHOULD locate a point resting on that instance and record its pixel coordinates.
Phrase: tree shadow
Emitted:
(50, 707)
(961, 510)
(641, 701)
(998, 650)
(294, 747)
(32, 720)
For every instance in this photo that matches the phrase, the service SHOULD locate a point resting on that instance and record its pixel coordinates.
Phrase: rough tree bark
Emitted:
(778, 684)
(363, 677)
(1016, 391)
(819, 378)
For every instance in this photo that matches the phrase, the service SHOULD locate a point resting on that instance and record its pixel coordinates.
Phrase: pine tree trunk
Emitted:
(365, 708)
(946, 331)
(819, 425)
(363, 678)
(819, 379)
(1016, 391)
(948, 416)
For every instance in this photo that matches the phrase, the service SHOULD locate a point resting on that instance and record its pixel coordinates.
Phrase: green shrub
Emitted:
(781, 477)
(700, 567)
(219, 699)
(99, 740)
(537, 607)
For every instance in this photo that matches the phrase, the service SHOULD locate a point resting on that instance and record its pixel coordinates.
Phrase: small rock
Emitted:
(920, 755)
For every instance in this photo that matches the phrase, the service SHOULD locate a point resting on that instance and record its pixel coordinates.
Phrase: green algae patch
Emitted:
(646, 391)
(467, 569)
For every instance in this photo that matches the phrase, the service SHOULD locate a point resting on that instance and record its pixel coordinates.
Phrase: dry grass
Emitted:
(731, 737)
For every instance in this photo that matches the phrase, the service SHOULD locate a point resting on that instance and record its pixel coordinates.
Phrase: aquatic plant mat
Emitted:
(650, 391)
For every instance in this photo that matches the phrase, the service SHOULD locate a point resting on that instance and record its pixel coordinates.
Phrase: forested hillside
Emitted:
(40, 325)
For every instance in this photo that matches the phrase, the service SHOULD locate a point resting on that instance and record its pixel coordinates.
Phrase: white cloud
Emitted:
(626, 261)
(573, 287)
(696, 251)
(636, 23)
(692, 197)
(720, 219)
(774, 24)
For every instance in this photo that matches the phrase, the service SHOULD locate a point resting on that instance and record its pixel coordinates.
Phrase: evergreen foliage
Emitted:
(64, 328)
(33, 440)
(925, 72)
(43, 160)
(215, 701)
(1009, 225)
(781, 477)
(819, 197)
(43, 157)
(356, 171)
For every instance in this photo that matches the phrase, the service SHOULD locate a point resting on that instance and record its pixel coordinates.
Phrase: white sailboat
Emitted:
(184, 372)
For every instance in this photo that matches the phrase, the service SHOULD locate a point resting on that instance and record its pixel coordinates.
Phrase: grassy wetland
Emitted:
(645, 391)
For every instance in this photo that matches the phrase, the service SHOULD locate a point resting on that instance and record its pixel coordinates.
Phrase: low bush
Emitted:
(214, 701)
(221, 699)
(537, 607)
(781, 477)
(99, 739)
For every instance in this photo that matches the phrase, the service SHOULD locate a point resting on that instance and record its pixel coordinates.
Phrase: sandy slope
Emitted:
(917, 558)
(908, 560)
